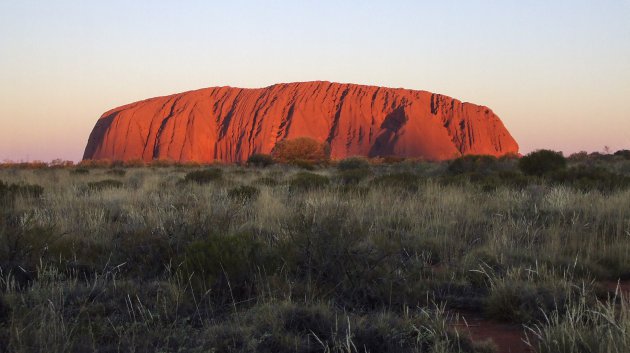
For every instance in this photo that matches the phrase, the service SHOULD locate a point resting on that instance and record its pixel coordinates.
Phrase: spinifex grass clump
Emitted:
(9, 192)
(105, 184)
(204, 176)
(404, 180)
(308, 181)
(260, 160)
(244, 193)
(80, 171)
(353, 170)
(117, 172)
(603, 327)
(591, 178)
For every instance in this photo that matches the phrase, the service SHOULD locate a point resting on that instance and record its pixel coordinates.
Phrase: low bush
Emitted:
(162, 163)
(308, 181)
(479, 164)
(23, 244)
(353, 176)
(295, 328)
(134, 163)
(8, 192)
(489, 182)
(591, 178)
(244, 193)
(95, 163)
(105, 184)
(581, 328)
(226, 264)
(27, 190)
(117, 172)
(542, 162)
(4, 190)
(353, 163)
(625, 154)
(522, 302)
(304, 164)
(353, 170)
(404, 180)
(144, 254)
(260, 160)
(301, 149)
(80, 171)
(204, 176)
(267, 181)
(393, 159)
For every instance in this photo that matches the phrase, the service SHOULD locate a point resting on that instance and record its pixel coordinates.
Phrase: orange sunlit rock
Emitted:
(230, 124)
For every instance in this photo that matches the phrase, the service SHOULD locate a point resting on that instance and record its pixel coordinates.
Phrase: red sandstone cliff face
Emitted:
(230, 124)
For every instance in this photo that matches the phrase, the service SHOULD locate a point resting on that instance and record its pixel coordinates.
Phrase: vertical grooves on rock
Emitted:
(231, 123)
(157, 147)
(285, 124)
(225, 123)
(335, 122)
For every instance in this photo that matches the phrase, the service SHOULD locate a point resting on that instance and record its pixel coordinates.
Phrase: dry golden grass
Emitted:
(127, 267)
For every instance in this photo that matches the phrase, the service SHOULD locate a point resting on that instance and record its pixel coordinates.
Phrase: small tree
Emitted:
(302, 149)
(542, 162)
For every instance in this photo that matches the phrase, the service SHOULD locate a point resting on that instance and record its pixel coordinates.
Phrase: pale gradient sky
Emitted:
(556, 72)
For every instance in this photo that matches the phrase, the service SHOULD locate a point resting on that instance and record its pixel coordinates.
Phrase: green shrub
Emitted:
(393, 159)
(591, 178)
(353, 176)
(302, 149)
(353, 170)
(29, 190)
(8, 192)
(308, 181)
(135, 163)
(473, 164)
(542, 162)
(21, 189)
(80, 171)
(583, 327)
(522, 302)
(625, 154)
(489, 182)
(309, 328)
(260, 160)
(353, 163)
(95, 163)
(244, 193)
(204, 176)
(162, 163)
(4, 190)
(404, 180)
(105, 184)
(304, 164)
(145, 254)
(227, 264)
(267, 181)
(117, 172)
(23, 245)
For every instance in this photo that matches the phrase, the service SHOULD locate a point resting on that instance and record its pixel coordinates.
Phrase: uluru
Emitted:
(230, 124)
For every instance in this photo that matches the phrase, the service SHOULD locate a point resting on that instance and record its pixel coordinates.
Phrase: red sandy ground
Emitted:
(622, 286)
(508, 338)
